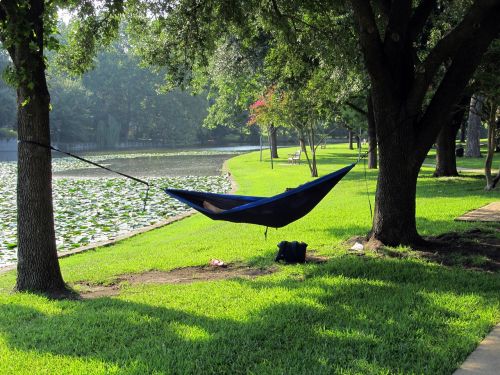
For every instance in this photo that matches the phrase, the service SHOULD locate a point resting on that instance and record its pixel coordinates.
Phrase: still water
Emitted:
(164, 163)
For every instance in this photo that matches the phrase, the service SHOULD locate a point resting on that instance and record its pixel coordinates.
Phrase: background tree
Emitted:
(486, 83)
(8, 100)
(474, 126)
(408, 117)
(446, 162)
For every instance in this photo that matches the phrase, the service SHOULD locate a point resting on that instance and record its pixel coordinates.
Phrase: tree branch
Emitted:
(7, 9)
(399, 18)
(3, 16)
(385, 6)
(356, 108)
(371, 45)
(293, 18)
(419, 18)
(448, 46)
(465, 61)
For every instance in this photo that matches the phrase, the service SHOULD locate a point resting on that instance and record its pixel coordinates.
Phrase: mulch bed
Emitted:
(477, 249)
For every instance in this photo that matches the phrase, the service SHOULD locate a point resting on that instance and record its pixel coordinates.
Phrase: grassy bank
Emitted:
(350, 315)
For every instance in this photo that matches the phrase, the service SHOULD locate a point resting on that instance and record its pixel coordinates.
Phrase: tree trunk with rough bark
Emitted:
(408, 114)
(372, 136)
(446, 161)
(491, 182)
(302, 143)
(274, 141)
(472, 147)
(350, 140)
(394, 214)
(38, 267)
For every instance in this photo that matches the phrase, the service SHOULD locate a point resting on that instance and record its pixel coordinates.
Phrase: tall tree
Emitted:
(408, 114)
(22, 32)
(474, 125)
(446, 162)
(27, 28)
(486, 82)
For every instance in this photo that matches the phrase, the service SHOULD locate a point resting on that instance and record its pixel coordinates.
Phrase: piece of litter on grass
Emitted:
(217, 263)
(357, 246)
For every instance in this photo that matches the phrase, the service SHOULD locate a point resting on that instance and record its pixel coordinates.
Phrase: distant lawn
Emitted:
(465, 162)
(353, 314)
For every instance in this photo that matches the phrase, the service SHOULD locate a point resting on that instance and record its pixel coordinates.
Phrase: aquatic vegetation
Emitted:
(89, 210)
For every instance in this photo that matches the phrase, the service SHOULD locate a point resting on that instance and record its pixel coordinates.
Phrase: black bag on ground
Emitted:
(291, 252)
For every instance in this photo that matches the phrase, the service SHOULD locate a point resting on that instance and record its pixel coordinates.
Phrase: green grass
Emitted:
(465, 162)
(351, 315)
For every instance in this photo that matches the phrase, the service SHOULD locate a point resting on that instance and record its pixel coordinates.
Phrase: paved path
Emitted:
(485, 360)
(490, 212)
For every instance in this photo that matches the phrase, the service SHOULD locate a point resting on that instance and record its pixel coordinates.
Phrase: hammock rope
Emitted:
(276, 211)
(50, 147)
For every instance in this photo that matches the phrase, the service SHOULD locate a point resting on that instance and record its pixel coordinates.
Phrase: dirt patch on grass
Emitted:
(477, 249)
(183, 275)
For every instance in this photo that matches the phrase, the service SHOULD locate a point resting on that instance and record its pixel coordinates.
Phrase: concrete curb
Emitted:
(485, 359)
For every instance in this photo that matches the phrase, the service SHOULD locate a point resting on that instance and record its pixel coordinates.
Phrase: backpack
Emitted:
(291, 252)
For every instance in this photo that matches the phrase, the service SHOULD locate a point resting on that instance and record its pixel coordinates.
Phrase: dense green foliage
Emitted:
(353, 314)
(8, 100)
(117, 101)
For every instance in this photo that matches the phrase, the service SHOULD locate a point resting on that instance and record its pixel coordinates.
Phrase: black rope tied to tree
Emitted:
(50, 147)
(363, 156)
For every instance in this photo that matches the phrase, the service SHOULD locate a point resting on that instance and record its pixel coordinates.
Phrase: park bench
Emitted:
(294, 158)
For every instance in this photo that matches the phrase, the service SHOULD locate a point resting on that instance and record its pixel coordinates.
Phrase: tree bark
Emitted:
(394, 215)
(38, 267)
(350, 139)
(372, 136)
(446, 162)
(274, 141)
(302, 143)
(408, 115)
(312, 145)
(472, 147)
(491, 181)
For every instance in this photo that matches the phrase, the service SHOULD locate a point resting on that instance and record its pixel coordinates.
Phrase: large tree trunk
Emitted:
(274, 141)
(302, 144)
(408, 115)
(491, 182)
(472, 147)
(372, 136)
(350, 139)
(394, 216)
(446, 162)
(38, 266)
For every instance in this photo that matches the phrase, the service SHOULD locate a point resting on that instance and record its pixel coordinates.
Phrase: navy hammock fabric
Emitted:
(276, 211)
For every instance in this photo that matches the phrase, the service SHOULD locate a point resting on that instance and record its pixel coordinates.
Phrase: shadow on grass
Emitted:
(351, 315)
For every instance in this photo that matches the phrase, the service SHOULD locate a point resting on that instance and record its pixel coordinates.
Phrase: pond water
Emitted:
(93, 205)
(154, 166)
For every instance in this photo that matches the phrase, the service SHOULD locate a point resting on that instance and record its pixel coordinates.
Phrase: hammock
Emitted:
(275, 212)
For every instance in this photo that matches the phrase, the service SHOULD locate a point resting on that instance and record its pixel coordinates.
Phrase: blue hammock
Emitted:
(275, 212)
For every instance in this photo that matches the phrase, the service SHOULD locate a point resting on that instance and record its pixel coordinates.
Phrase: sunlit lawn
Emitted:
(350, 315)
(466, 162)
